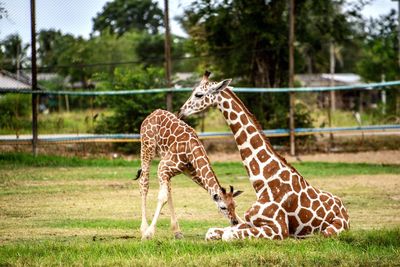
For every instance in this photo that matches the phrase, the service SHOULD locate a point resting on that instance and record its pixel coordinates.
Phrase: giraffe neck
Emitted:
(258, 156)
(203, 173)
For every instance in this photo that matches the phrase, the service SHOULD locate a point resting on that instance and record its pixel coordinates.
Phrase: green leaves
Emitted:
(121, 16)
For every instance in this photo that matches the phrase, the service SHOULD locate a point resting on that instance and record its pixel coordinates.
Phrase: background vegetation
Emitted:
(126, 51)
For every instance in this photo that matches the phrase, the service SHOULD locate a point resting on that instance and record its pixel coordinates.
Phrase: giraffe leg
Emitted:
(162, 199)
(338, 225)
(165, 172)
(174, 221)
(147, 154)
(265, 232)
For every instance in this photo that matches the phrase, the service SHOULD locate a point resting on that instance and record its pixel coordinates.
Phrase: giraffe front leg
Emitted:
(271, 230)
(162, 199)
(219, 233)
(214, 234)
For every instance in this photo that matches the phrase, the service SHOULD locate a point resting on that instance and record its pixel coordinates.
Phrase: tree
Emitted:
(49, 41)
(121, 16)
(379, 55)
(13, 53)
(3, 11)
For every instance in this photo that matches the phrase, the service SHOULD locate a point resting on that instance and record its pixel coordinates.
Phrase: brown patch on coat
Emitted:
(258, 185)
(241, 138)
(245, 152)
(251, 129)
(233, 116)
(285, 176)
(305, 200)
(243, 119)
(305, 215)
(256, 141)
(264, 197)
(293, 224)
(262, 155)
(255, 169)
(316, 222)
(305, 231)
(270, 169)
(291, 203)
(321, 212)
(270, 210)
(311, 192)
(295, 183)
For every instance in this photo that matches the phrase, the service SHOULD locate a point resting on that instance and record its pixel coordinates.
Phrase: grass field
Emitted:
(69, 211)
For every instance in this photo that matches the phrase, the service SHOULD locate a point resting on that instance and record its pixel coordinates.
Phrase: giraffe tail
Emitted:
(139, 172)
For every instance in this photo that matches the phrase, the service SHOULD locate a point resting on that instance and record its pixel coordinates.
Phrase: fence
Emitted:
(134, 137)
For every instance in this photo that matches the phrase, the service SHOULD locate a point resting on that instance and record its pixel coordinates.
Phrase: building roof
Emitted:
(324, 79)
(11, 81)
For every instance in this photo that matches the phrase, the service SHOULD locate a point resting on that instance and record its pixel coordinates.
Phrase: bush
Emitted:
(130, 110)
(13, 109)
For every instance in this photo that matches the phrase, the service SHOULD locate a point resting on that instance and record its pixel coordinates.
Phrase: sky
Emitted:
(75, 16)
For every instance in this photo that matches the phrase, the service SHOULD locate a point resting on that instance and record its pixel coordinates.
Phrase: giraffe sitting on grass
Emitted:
(181, 152)
(287, 205)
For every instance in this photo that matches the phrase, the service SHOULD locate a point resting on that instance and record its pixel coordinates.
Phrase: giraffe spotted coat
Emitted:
(287, 205)
(180, 151)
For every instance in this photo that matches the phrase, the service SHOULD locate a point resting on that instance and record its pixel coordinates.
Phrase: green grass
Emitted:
(71, 211)
(233, 169)
(358, 248)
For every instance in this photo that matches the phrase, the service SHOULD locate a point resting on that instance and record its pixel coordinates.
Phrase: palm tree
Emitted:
(13, 53)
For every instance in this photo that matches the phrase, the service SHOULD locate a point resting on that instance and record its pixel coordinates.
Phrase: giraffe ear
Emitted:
(220, 86)
(237, 193)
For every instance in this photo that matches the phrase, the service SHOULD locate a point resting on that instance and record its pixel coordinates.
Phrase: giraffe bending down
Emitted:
(181, 152)
(286, 204)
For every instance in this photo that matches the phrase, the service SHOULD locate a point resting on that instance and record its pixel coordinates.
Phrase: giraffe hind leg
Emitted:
(147, 153)
(338, 225)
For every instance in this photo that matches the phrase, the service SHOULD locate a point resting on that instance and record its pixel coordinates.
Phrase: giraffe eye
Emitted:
(223, 208)
(199, 95)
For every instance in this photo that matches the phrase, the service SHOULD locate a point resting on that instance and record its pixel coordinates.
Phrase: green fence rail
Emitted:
(367, 86)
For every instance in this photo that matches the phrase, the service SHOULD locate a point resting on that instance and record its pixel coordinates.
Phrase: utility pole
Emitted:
(167, 53)
(398, 30)
(398, 52)
(291, 78)
(34, 80)
(332, 98)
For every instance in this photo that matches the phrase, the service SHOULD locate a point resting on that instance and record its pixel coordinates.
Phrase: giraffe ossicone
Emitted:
(286, 205)
(180, 151)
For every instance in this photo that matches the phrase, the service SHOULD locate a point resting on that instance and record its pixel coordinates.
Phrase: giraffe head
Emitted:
(226, 204)
(203, 96)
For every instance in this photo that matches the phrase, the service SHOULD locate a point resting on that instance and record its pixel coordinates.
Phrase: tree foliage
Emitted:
(13, 53)
(121, 16)
(379, 54)
(130, 111)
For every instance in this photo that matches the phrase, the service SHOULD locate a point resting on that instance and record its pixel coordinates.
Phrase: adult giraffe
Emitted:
(286, 204)
(181, 152)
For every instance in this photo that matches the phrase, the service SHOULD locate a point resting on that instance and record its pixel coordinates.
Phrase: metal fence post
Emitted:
(34, 80)
(291, 79)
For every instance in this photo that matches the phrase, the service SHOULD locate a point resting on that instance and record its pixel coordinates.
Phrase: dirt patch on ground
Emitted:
(378, 157)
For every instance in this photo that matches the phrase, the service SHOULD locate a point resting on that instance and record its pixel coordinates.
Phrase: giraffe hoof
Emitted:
(214, 234)
(148, 234)
(178, 235)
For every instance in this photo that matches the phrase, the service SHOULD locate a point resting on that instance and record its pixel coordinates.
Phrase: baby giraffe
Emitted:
(181, 152)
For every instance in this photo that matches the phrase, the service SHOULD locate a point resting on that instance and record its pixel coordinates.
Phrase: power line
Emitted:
(130, 62)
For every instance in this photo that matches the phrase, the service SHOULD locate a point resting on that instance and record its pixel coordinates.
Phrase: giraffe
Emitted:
(181, 152)
(286, 205)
